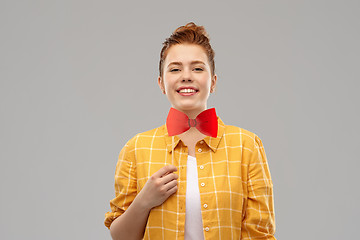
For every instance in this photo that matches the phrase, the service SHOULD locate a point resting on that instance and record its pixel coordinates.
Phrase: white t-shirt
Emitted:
(193, 219)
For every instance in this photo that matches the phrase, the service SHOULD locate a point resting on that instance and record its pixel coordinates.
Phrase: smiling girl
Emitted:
(195, 177)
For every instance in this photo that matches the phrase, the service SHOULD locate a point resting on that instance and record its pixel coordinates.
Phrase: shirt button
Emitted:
(207, 229)
(202, 141)
(199, 150)
(205, 205)
(202, 184)
(201, 167)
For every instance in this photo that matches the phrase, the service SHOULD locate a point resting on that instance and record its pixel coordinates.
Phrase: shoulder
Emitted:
(143, 140)
(246, 137)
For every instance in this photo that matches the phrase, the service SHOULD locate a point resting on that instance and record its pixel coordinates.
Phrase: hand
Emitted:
(160, 186)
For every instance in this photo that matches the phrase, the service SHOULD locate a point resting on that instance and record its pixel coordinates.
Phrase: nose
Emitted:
(186, 77)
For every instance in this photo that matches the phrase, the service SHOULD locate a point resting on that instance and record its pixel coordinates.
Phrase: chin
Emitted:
(189, 108)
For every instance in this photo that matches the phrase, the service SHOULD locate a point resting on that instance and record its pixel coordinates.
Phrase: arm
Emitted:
(131, 224)
(259, 219)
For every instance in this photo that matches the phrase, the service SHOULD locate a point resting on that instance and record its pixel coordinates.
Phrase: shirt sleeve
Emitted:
(125, 183)
(259, 219)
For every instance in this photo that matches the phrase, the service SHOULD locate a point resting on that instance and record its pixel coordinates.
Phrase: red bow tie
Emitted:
(206, 122)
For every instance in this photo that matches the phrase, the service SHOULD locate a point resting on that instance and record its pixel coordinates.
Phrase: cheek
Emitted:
(168, 83)
(206, 82)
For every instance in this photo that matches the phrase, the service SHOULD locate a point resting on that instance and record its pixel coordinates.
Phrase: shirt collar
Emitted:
(212, 142)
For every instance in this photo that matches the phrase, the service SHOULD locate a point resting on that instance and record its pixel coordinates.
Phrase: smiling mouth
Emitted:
(187, 90)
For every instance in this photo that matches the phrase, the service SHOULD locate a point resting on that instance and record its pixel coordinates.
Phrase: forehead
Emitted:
(186, 53)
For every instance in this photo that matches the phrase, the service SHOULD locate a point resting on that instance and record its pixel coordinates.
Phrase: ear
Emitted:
(161, 84)
(213, 83)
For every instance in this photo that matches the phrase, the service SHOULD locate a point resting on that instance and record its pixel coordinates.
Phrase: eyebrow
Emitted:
(192, 63)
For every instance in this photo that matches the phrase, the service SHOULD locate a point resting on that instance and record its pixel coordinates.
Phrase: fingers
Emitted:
(169, 177)
(164, 170)
(171, 191)
(168, 186)
(161, 185)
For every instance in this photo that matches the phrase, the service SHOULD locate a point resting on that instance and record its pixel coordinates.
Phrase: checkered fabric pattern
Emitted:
(236, 189)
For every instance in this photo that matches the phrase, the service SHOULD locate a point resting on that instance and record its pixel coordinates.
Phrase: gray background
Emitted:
(78, 79)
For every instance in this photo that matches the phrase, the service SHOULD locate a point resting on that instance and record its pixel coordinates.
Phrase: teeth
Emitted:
(187, 90)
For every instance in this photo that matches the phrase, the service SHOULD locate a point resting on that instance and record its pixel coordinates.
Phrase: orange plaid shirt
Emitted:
(236, 189)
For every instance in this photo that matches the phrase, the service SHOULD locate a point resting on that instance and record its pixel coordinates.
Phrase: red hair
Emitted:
(191, 34)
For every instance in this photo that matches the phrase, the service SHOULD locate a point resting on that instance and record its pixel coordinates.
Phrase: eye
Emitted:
(199, 69)
(174, 70)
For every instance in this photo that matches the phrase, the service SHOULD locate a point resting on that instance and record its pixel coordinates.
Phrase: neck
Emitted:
(191, 134)
(192, 114)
